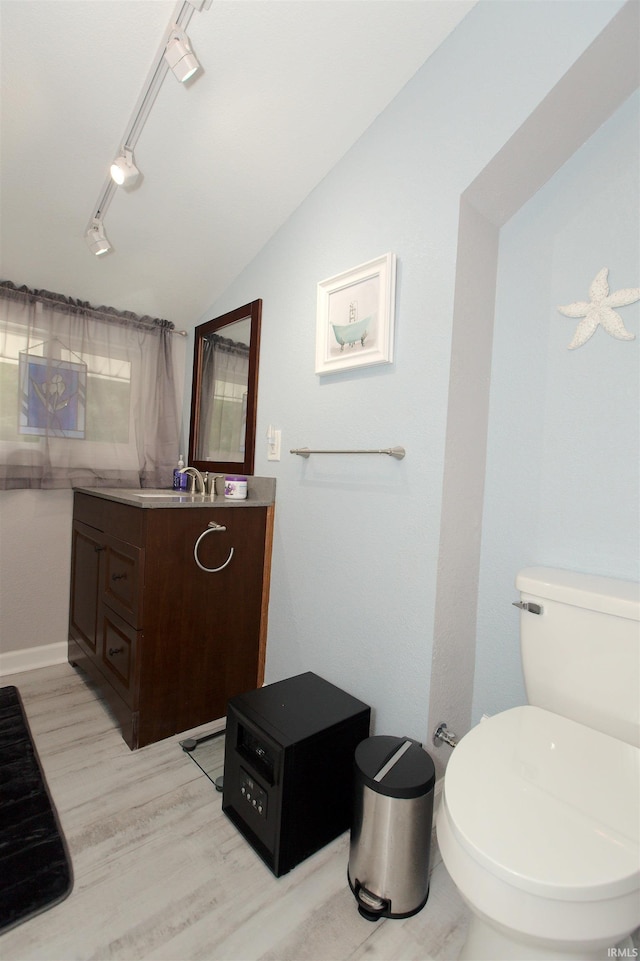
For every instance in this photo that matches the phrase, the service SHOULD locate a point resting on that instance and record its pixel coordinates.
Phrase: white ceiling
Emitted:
(287, 87)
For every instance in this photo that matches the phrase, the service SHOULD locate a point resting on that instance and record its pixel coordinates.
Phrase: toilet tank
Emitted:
(581, 653)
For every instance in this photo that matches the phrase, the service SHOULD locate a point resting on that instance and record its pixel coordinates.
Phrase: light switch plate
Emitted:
(273, 451)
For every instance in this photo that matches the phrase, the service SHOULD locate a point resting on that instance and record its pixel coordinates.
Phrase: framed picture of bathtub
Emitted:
(356, 315)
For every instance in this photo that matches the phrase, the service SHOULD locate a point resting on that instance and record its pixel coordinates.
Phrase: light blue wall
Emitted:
(562, 483)
(356, 544)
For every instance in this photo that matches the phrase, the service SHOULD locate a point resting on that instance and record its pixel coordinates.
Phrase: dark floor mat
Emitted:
(35, 870)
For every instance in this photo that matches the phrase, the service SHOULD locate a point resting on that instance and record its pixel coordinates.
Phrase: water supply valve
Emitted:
(442, 735)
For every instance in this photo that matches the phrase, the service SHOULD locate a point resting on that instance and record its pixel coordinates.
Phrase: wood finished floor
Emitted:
(162, 874)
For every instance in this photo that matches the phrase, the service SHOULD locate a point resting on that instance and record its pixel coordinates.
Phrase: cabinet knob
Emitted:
(119, 577)
(115, 650)
(98, 547)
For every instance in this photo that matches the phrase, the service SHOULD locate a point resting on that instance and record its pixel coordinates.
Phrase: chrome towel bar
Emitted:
(397, 452)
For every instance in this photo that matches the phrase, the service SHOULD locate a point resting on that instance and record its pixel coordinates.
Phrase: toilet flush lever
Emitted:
(529, 606)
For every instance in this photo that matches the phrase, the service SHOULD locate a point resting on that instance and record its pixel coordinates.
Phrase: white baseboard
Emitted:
(30, 659)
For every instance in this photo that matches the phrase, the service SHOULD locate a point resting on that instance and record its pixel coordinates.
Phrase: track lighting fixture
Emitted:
(180, 56)
(174, 52)
(96, 238)
(123, 170)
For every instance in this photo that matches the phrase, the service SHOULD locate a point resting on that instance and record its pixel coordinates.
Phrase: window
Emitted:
(87, 398)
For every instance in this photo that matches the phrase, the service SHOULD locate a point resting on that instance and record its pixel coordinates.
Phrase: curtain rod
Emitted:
(87, 308)
(118, 315)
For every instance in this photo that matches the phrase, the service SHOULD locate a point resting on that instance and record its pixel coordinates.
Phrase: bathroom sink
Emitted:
(160, 494)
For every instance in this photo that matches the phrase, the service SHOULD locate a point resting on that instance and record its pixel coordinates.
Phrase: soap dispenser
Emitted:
(179, 480)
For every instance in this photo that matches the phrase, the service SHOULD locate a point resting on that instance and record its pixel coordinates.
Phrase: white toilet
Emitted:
(539, 820)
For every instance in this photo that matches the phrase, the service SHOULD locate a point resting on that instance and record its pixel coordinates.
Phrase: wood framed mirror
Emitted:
(225, 391)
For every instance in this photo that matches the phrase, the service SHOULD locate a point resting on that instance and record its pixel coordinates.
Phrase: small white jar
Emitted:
(235, 487)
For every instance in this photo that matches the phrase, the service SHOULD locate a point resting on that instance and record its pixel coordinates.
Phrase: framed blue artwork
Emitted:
(53, 397)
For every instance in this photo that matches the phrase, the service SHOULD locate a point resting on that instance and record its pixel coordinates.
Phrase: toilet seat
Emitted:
(547, 805)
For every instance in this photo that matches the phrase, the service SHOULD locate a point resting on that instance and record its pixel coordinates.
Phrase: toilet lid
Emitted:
(548, 805)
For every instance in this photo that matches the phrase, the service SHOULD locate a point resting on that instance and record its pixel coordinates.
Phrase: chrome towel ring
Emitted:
(211, 529)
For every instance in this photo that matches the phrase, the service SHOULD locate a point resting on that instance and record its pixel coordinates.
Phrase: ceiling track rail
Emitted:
(181, 18)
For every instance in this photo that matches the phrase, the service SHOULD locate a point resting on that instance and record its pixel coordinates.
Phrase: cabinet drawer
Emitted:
(124, 522)
(123, 580)
(119, 653)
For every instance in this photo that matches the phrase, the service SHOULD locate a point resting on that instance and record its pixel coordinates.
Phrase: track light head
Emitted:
(123, 170)
(180, 56)
(96, 238)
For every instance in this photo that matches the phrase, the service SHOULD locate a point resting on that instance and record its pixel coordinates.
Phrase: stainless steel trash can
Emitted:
(391, 831)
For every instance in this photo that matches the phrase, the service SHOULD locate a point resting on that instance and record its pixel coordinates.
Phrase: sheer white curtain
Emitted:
(87, 395)
(225, 367)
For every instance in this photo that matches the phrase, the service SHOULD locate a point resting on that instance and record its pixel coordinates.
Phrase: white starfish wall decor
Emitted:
(599, 310)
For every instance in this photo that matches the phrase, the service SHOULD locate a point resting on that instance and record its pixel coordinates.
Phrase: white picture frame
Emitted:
(356, 317)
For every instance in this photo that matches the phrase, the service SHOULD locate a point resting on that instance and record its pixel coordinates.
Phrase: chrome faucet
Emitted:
(198, 476)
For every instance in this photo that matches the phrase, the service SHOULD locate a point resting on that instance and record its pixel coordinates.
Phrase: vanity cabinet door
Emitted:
(107, 577)
(87, 551)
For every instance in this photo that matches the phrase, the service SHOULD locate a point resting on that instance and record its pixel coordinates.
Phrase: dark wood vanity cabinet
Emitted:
(166, 642)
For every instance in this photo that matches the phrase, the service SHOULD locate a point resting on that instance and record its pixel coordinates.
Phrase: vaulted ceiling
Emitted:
(287, 86)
